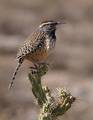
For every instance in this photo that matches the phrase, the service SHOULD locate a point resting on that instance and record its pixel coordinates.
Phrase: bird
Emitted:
(37, 46)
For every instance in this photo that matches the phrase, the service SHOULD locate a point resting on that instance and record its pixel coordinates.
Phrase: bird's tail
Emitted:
(14, 75)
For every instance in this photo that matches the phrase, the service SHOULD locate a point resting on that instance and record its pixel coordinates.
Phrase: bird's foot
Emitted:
(38, 67)
(34, 68)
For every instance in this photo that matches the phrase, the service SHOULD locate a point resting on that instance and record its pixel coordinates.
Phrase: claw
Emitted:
(34, 68)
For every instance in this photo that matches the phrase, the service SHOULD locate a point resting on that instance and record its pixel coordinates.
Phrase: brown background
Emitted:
(71, 64)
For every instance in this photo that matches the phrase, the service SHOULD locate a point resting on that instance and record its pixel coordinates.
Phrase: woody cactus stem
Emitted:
(51, 106)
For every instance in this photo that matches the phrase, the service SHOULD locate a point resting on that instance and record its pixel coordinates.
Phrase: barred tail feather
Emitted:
(14, 75)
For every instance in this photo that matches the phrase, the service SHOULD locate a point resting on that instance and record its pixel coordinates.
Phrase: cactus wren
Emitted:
(37, 46)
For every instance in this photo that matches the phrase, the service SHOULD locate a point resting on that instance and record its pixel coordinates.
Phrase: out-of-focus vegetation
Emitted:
(71, 63)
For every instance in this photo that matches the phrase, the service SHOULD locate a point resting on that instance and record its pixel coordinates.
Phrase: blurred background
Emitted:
(71, 64)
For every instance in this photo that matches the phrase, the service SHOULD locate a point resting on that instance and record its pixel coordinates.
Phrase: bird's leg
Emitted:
(38, 67)
(34, 68)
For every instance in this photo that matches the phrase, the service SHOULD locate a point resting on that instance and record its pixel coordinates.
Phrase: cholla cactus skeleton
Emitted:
(51, 106)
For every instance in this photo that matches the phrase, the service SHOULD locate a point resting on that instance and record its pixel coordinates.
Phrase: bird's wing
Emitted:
(34, 41)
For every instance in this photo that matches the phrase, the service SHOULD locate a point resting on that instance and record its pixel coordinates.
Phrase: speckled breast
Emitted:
(39, 55)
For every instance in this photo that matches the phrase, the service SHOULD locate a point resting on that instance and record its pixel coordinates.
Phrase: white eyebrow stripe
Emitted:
(45, 23)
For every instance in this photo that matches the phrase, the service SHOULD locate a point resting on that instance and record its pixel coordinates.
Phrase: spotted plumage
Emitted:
(33, 44)
(37, 46)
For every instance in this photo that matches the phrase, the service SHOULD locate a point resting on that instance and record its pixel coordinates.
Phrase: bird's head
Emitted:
(48, 26)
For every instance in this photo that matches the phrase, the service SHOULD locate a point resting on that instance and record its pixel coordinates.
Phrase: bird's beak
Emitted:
(59, 23)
